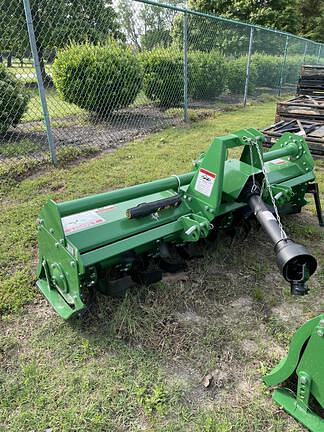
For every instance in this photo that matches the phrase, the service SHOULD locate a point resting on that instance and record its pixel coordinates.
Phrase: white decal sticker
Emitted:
(80, 221)
(205, 182)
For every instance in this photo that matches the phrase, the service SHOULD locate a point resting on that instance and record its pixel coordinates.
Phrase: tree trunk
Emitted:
(1, 58)
(9, 60)
(42, 64)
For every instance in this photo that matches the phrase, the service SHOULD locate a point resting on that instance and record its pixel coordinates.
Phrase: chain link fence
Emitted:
(77, 78)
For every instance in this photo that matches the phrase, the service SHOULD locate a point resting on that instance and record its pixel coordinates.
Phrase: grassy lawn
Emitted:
(136, 364)
(59, 109)
(27, 73)
(56, 106)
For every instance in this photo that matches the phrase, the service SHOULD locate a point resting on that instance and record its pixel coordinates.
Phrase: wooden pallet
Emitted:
(303, 107)
(313, 133)
(316, 71)
(311, 81)
(310, 90)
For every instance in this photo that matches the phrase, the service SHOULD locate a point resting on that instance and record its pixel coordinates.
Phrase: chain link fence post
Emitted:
(319, 53)
(305, 52)
(185, 68)
(248, 64)
(283, 66)
(40, 82)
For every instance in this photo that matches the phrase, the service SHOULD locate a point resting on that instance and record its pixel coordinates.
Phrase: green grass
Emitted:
(26, 69)
(58, 109)
(137, 363)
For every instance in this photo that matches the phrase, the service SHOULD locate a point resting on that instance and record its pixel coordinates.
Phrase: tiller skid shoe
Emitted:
(301, 375)
(108, 242)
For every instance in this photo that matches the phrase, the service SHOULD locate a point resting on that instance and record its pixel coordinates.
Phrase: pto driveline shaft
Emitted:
(265, 218)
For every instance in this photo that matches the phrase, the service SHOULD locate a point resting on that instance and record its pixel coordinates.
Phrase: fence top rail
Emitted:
(220, 18)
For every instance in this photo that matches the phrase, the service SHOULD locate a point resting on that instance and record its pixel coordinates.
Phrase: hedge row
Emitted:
(98, 78)
(104, 78)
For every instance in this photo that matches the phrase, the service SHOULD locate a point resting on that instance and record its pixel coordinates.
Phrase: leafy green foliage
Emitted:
(57, 22)
(236, 74)
(303, 17)
(292, 70)
(163, 76)
(272, 13)
(98, 78)
(207, 74)
(268, 69)
(311, 19)
(13, 100)
(152, 399)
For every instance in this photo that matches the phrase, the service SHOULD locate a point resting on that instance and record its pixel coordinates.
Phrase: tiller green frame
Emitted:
(304, 364)
(88, 243)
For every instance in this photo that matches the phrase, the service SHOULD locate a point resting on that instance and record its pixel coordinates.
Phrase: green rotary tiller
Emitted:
(301, 374)
(110, 241)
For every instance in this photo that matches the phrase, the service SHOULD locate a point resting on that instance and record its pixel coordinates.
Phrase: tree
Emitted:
(56, 23)
(302, 17)
(311, 23)
(276, 14)
(145, 26)
(129, 22)
(157, 26)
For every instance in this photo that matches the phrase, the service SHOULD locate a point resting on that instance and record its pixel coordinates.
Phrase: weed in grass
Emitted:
(152, 399)
(21, 148)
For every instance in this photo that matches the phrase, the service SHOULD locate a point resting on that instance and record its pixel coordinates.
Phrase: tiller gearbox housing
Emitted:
(109, 241)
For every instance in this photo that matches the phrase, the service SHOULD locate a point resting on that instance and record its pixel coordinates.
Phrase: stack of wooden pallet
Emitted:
(313, 133)
(311, 81)
(303, 114)
(303, 107)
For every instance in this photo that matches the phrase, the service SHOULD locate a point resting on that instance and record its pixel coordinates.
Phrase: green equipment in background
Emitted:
(302, 376)
(110, 241)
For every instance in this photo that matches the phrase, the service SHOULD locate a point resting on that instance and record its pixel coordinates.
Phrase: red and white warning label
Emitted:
(80, 221)
(85, 219)
(205, 182)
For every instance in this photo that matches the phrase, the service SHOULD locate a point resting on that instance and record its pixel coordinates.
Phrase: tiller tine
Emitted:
(301, 376)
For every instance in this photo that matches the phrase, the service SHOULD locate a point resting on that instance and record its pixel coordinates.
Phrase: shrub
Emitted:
(236, 73)
(268, 69)
(98, 78)
(293, 67)
(163, 76)
(207, 74)
(13, 100)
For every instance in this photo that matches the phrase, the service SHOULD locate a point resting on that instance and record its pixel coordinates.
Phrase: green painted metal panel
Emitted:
(116, 225)
(130, 243)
